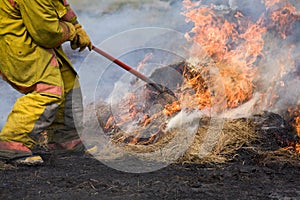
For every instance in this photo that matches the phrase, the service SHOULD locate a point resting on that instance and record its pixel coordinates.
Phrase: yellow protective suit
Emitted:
(33, 62)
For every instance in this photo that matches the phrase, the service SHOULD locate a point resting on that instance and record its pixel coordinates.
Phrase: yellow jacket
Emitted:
(31, 34)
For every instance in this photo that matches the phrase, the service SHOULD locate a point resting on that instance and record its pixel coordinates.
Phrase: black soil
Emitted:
(248, 176)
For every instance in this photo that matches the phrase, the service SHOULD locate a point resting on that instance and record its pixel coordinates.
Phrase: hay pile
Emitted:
(232, 136)
(214, 140)
(192, 137)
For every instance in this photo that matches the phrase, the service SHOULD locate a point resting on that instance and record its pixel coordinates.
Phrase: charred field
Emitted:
(249, 176)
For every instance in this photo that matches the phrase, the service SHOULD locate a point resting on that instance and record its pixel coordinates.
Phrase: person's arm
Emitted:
(70, 16)
(82, 40)
(43, 24)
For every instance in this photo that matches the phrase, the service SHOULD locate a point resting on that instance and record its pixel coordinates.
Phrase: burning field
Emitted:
(237, 89)
(222, 121)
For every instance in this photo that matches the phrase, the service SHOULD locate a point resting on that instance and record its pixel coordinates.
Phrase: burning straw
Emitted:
(230, 67)
(198, 138)
(183, 131)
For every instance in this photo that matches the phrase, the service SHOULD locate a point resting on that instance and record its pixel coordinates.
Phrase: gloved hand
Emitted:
(81, 39)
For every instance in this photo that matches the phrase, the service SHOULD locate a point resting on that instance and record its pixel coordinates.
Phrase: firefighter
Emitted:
(33, 62)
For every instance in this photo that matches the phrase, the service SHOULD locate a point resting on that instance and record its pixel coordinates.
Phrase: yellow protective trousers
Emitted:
(46, 111)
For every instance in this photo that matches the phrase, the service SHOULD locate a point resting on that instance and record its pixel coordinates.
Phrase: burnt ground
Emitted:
(248, 176)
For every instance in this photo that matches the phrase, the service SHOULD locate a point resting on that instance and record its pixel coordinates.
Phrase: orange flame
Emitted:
(297, 125)
(282, 15)
(234, 47)
(235, 43)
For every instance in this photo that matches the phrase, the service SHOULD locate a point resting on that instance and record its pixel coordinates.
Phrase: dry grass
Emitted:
(235, 134)
(282, 156)
(215, 140)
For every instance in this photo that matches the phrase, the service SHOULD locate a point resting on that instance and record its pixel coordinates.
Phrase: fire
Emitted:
(297, 125)
(172, 108)
(235, 44)
(136, 120)
(295, 146)
(282, 16)
(295, 116)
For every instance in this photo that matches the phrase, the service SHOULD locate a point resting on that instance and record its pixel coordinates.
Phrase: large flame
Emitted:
(235, 44)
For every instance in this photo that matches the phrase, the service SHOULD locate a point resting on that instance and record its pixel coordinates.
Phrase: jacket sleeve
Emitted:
(70, 16)
(42, 21)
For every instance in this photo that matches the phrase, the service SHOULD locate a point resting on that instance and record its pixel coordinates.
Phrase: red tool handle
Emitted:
(127, 68)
